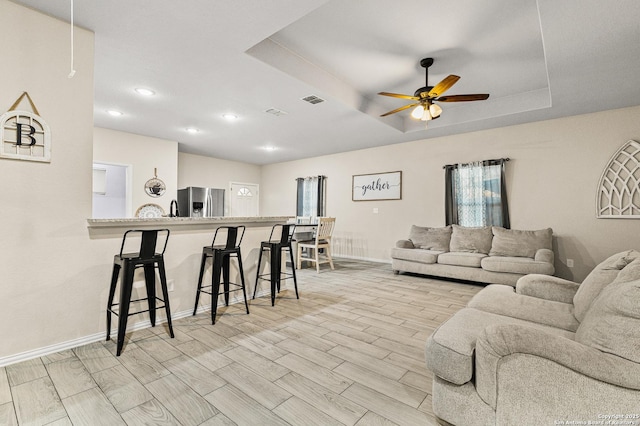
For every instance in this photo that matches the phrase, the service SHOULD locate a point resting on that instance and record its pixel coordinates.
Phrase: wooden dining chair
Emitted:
(322, 241)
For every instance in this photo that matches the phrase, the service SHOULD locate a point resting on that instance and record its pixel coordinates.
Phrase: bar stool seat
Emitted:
(148, 258)
(275, 247)
(221, 255)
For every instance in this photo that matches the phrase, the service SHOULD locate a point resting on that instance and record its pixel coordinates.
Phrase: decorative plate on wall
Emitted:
(155, 187)
(149, 211)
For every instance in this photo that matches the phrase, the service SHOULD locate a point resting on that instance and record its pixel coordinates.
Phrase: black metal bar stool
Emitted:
(148, 258)
(275, 248)
(221, 255)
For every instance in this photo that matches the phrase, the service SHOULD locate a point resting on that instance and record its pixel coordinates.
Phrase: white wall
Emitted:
(144, 154)
(552, 181)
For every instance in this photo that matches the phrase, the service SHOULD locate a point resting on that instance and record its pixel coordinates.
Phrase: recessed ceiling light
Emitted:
(229, 116)
(192, 130)
(114, 112)
(145, 92)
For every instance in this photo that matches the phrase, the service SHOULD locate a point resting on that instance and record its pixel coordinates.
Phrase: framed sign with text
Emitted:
(377, 186)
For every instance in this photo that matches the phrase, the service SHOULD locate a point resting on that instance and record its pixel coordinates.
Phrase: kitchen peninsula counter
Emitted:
(101, 226)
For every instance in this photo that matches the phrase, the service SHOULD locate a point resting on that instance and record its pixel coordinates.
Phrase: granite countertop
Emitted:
(186, 221)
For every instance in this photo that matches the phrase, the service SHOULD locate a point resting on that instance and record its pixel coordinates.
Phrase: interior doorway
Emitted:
(244, 199)
(111, 191)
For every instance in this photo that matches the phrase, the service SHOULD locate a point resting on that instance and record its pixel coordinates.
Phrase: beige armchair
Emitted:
(548, 352)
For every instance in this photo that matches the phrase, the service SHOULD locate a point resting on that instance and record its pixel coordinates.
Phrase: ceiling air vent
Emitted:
(313, 99)
(276, 112)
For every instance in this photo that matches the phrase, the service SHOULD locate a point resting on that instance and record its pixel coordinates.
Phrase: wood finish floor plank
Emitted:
(92, 407)
(373, 419)
(151, 412)
(241, 409)
(299, 413)
(121, 387)
(257, 363)
(323, 376)
(158, 348)
(189, 408)
(25, 371)
(376, 365)
(70, 377)
(321, 358)
(8, 415)
(195, 375)
(141, 365)
(330, 403)
(203, 354)
(95, 357)
(5, 389)
(391, 388)
(254, 386)
(37, 402)
(385, 406)
(358, 345)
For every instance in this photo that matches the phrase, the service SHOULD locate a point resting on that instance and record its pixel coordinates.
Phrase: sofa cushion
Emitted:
(601, 276)
(612, 323)
(450, 348)
(503, 300)
(461, 259)
(631, 272)
(472, 240)
(516, 243)
(430, 238)
(516, 265)
(415, 255)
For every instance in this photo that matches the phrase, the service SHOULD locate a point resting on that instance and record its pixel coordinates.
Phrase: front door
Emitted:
(244, 199)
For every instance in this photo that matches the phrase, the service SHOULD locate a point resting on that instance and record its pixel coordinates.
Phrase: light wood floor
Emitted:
(348, 352)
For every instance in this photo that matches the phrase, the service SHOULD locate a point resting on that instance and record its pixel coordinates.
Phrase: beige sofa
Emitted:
(548, 352)
(487, 254)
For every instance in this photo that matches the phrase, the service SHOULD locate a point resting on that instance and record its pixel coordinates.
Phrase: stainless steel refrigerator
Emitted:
(200, 202)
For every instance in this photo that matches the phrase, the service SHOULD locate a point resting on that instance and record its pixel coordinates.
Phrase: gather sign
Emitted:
(377, 186)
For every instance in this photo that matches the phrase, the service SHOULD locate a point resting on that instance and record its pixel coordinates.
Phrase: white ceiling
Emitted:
(538, 59)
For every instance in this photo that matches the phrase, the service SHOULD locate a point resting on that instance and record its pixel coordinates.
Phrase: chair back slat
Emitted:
(325, 228)
(148, 241)
(232, 236)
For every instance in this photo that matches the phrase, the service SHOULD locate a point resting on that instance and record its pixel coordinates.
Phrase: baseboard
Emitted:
(367, 259)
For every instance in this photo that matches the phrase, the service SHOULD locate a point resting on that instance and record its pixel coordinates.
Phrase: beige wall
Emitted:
(143, 154)
(552, 180)
(208, 172)
(45, 264)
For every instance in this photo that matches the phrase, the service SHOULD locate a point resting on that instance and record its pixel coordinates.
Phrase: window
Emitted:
(476, 194)
(311, 196)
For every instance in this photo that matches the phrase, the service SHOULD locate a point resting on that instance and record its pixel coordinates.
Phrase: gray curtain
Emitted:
(310, 199)
(476, 194)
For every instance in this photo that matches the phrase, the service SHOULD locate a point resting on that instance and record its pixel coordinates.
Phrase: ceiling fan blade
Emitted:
(463, 98)
(398, 95)
(443, 86)
(402, 108)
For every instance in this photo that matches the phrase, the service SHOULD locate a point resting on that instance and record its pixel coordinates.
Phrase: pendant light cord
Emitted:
(73, 71)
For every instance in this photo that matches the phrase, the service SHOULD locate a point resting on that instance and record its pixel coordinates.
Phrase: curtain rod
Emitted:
(484, 161)
(309, 177)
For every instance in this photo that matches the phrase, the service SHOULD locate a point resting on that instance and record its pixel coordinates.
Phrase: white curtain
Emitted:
(310, 196)
(477, 193)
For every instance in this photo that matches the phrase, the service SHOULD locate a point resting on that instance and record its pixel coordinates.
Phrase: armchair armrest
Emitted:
(407, 244)
(547, 287)
(568, 359)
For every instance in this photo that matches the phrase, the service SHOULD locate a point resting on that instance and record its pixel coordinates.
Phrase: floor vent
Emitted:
(313, 99)
(276, 112)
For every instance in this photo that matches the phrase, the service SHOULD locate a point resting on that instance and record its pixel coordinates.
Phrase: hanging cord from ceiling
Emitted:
(73, 71)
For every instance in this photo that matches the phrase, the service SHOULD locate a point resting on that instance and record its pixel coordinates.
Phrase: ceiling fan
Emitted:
(425, 97)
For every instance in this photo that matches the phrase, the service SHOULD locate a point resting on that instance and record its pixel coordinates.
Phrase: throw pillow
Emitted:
(516, 243)
(471, 240)
(430, 238)
(406, 244)
(601, 276)
(612, 324)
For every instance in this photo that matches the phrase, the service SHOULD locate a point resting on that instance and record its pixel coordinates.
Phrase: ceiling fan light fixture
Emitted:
(426, 115)
(418, 112)
(435, 110)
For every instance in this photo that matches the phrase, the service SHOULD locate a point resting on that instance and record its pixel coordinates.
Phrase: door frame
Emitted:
(128, 184)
